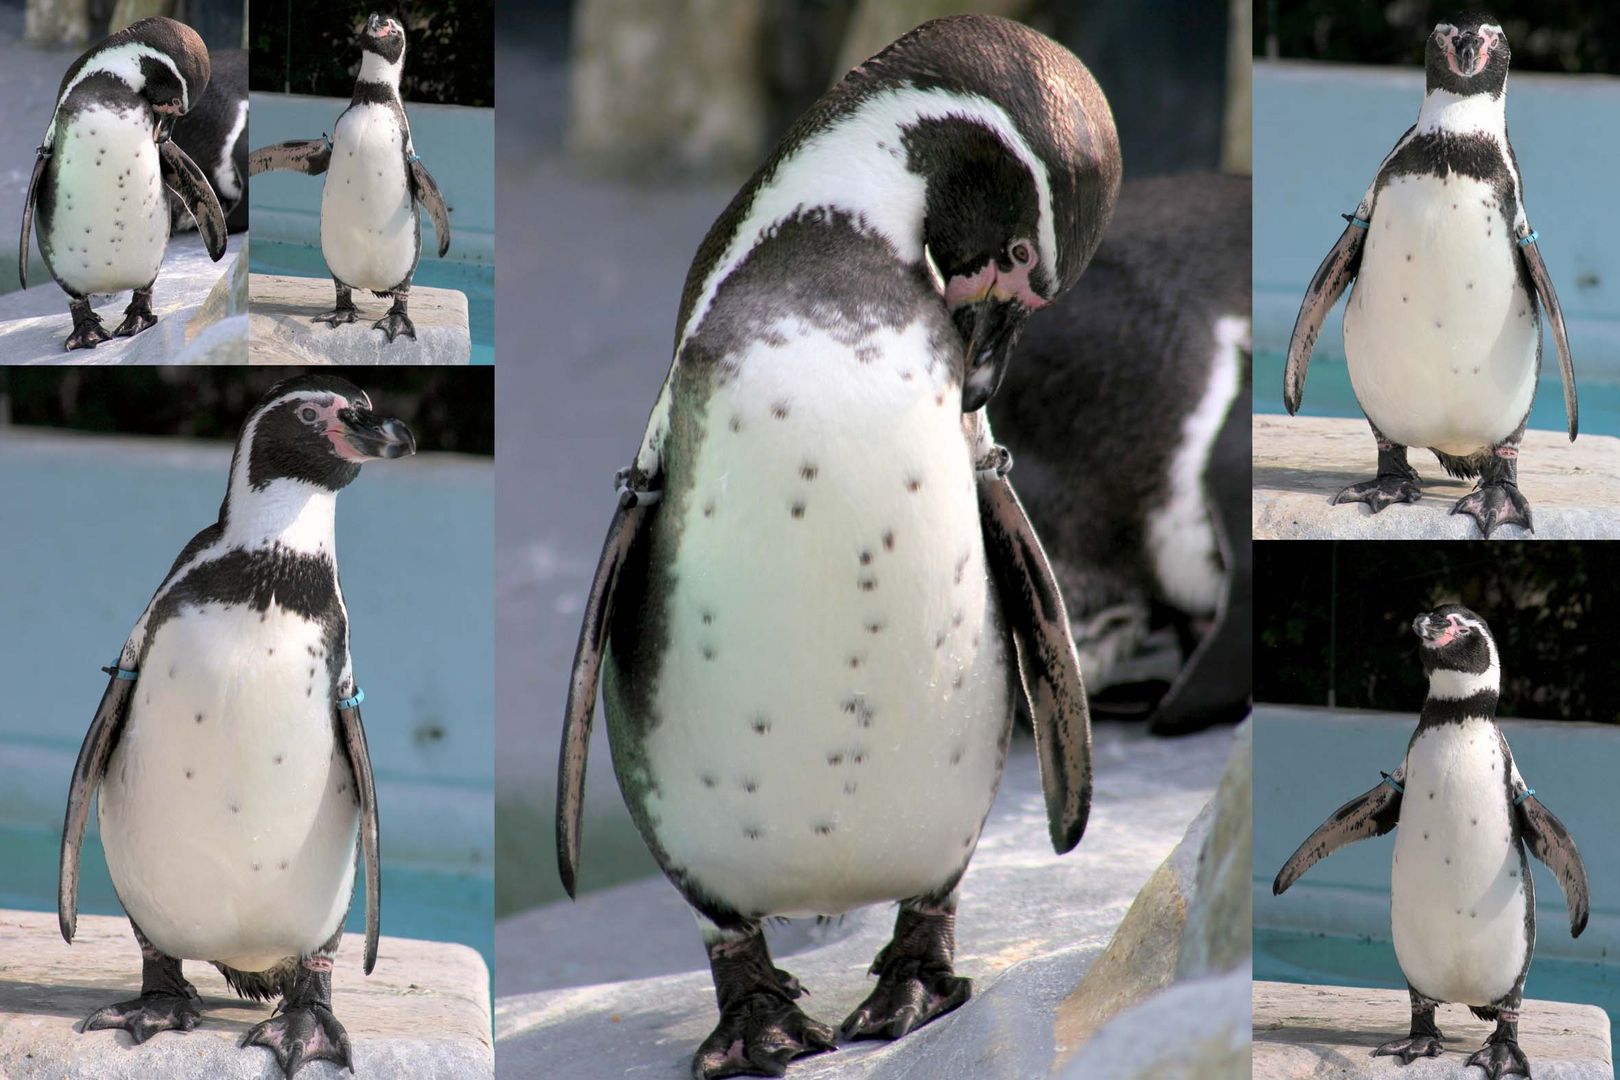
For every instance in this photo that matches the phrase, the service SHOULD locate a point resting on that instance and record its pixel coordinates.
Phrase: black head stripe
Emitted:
(284, 446)
(175, 40)
(390, 48)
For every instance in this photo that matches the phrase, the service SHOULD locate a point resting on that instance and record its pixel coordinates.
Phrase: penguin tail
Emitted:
(1463, 468)
(261, 985)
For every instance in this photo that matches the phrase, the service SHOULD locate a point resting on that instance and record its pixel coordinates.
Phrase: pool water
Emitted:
(476, 280)
(1328, 393)
(1294, 956)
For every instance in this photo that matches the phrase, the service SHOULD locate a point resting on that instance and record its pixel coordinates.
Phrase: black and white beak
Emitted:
(362, 435)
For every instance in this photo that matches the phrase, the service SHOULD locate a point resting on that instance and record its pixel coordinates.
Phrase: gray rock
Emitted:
(1306, 1032)
(1196, 1030)
(281, 330)
(423, 1011)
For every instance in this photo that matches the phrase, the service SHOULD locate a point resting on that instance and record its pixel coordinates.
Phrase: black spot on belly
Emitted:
(736, 423)
(752, 832)
(284, 864)
(271, 651)
(708, 618)
(835, 759)
(708, 508)
(797, 509)
(849, 787)
(867, 583)
(235, 809)
(199, 718)
(1448, 860)
(751, 786)
(855, 662)
(956, 756)
(913, 484)
(709, 652)
(780, 410)
(760, 725)
(866, 558)
(808, 471)
(278, 759)
(824, 828)
(708, 780)
(888, 541)
(874, 628)
(188, 774)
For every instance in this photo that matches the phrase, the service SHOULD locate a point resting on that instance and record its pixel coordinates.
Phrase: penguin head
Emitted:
(1467, 55)
(1021, 179)
(163, 60)
(384, 36)
(1454, 639)
(318, 429)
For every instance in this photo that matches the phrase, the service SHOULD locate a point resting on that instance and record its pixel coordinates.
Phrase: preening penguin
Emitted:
(214, 133)
(371, 235)
(1462, 901)
(228, 748)
(1443, 330)
(100, 176)
(819, 595)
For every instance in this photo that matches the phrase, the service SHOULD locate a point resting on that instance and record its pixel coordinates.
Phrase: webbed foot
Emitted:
(1410, 1049)
(88, 330)
(299, 1034)
(758, 1035)
(145, 1016)
(1381, 491)
(907, 997)
(1493, 505)
(138, 316)
(396, 322)
(1501, 1057)
(338, 316)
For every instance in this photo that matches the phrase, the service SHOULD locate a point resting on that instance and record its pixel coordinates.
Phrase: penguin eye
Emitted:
(307, 414)
(1022, 253)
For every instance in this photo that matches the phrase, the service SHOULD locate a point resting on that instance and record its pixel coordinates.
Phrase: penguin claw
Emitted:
(147, 1015)
(758, 1035)
(1501, 1058)
(1494, 505)
(1410, 1049)
(1381, 491)
(300, 1034)
(395, 323)
(906, 998)
(87, 334)
(338, 316)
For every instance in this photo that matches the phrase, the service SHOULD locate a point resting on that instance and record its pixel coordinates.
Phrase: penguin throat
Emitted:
(1449, 685)
(375, 69)
(294, 514)
(1457, 114)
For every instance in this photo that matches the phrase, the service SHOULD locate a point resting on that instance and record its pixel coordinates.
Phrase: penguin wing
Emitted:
(629, 522)
(28, 216)
(427, 193)
(181, 176)
(1531, 254)
(1551, 843)
(1332, 278)
(97, 750)
(1047, 664)
(353, 734)
(308, 156)
(1372, 813)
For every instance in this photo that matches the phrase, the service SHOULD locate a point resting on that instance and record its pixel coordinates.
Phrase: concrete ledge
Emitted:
(423, 1012)
(1301, 462)
(280, 330)
(1305, 1031)
(191, 299)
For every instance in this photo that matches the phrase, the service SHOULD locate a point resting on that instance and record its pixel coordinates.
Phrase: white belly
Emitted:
(110, 218)
(368, 219)
(1457, 890)
(231, 838)
(1440, 337)
(836, 687)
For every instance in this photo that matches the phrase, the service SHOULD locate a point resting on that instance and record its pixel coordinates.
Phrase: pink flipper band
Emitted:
(1507, 451)
(318, 963)
(1508, 1016)
(1382, 445)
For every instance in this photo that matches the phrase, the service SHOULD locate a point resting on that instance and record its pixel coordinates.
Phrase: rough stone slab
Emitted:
(34, 322)
(1303, 1031)
(423, 1011)
(1301, 462)
(1197, 1030)
(280, 330)
(608, 1001)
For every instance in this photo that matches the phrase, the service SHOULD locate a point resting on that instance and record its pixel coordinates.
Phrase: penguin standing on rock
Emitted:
(1462, 902)
(1442, 331)
(228, 748)
(371, 235)
(100, 176)
(820, 597)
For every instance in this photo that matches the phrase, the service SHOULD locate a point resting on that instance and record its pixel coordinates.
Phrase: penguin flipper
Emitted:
(1032, 604)
(1531, 254)
(1551, 843)
(1372, 813)
(181, 176)
(88, 771)
(28, 216)
(1332, 278)
(353, 734)
(427, 193)
(308, 156)
(629, 522)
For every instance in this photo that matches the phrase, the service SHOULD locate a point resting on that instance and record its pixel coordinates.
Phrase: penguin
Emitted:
(1442, 331)
(214, 134)
(371, 235)
(1462, 902)
(228, 749)
(1127, 411)
(100, 175)
(820, 597)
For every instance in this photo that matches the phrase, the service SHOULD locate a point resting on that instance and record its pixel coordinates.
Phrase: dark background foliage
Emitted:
(312, 47)
(1545, 35)
(447, 408)
(1333, 622)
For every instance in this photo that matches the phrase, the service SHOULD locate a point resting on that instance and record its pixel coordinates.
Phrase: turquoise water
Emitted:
(1292, 956)
(476, 280)
(1328, 393)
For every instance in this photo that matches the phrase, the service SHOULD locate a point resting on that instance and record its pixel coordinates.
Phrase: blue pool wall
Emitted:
(92, 525)
(1320, 132)
(456, 143)
(1308, 762)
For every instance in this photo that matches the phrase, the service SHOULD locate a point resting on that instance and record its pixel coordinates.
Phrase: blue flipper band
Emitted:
(1359, 223)
(413, 157)
(1523, 795)
(1529, 239)
(352, 702)
(122, 673)
(1392, 782)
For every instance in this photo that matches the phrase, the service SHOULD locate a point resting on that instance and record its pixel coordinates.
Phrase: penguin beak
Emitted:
(1467, 46)
(370, 436)
(1420, 627)
(990, 326)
